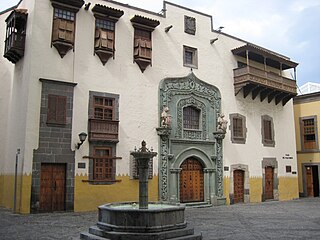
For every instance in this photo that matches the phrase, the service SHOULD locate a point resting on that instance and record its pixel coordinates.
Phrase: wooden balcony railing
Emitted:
(103, 130)
(255, 80)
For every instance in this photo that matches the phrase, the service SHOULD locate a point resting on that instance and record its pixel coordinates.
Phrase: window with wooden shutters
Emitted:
(308, 128)
(104, 37)
(142, 44)
(191, 118)
(267, 130)
(238, 128)
(56, 109)
(104, 167)
(104, 45)
(63, 25)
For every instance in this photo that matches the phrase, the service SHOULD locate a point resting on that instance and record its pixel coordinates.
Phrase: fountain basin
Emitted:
(127, 217)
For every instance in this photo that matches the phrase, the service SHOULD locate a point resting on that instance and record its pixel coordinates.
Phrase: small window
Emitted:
(238, 128)
(191, 118)
(103, 108)
(308, 128)
(57, 109)
(267, 130)
(103, 164)
(190, 57)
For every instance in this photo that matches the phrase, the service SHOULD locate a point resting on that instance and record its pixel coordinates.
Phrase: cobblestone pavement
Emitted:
(298, 219)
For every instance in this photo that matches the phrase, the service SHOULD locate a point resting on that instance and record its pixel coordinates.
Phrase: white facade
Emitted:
(139, 110)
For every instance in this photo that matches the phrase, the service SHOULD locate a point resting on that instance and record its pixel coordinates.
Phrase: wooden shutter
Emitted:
(63, 30)
(57, 109)
(104, 39)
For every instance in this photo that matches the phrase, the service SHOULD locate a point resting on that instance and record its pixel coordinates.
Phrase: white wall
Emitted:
(139, 110)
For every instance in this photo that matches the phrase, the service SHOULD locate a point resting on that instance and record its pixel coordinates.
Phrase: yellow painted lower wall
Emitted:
(88, 197)
(23, 192)
(226, 190)
(288, 188)
(255, 189)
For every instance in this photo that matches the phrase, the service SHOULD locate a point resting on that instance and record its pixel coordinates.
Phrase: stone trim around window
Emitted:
(267, 142)
(316, 144)
(238, 139)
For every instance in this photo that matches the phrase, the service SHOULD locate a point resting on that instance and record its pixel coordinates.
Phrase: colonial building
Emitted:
(217, 109)
(306, 115)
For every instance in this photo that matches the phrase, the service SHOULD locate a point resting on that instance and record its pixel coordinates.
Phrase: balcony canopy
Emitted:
(264, 56)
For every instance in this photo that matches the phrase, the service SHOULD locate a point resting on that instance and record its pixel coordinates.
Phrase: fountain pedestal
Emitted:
(145, 221)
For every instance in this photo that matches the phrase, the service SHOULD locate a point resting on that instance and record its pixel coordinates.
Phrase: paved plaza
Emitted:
(298, 219)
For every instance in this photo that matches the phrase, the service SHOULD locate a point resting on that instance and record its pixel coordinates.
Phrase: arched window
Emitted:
(191, 117)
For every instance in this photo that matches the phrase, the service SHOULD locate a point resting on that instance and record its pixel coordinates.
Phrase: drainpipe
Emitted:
(15, 182)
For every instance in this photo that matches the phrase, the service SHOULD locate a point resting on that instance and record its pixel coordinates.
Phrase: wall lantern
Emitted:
(82, 137)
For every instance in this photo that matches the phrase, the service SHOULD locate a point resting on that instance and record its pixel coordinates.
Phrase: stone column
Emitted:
(209, 184)
(220, 199)
(164, 133)
(143, 166)
(175, 188)
(143, 156)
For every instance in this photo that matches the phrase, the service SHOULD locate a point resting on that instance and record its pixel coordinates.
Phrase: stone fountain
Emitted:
(142, 221)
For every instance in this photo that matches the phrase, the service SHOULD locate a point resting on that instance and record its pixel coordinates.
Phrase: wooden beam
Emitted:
(256, 91)
(279, 97)
(247, 89)
(272, 95)
(265, 94)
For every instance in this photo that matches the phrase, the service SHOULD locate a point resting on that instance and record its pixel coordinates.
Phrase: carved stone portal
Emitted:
(179, 143)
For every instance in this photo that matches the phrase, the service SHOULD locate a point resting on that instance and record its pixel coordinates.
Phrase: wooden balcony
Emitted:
(266, 84)
(14, 47)
(258, 81)
(103, 130)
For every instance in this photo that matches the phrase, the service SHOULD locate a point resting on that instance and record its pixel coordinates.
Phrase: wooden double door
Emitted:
(312, 181)
(238, 186)
(191, 181)
(52, 187)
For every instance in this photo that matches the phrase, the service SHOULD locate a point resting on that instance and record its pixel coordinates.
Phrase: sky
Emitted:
(288, 27)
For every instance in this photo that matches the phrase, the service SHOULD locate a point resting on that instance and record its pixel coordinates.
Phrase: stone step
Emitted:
(172, 234)
(198, 205)
(89, 236)
(190, 237)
